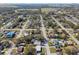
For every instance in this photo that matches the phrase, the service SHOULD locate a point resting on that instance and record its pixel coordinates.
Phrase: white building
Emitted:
(38, 48)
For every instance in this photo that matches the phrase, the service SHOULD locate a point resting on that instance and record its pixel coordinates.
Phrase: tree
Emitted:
(6, 44)
(76, 27)
(68, 51)
(20, 40)
(29, 50)
(71, 50)
(40, 38)
(28, 38)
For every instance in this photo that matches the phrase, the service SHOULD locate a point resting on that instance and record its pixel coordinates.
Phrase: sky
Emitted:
(39, 1)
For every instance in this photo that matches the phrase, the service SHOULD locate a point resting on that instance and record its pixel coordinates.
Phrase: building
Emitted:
(10, 34)
(38, 49)
(20, 49)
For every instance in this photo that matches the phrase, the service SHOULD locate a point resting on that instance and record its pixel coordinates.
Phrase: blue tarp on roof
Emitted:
(10, 34)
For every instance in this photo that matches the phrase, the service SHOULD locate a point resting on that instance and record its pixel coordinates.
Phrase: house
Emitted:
(22, 44)
(56, 42)
(25, 33)
(36, 42)
(61, 43)
(1, 46)
(10, 34)
(58, 50)
(9, 25)
(69, 43)
(20, 49)
(38, 49)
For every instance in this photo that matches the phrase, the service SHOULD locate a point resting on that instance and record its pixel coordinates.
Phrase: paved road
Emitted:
(74, 39)
(45, 36)
(23, 28)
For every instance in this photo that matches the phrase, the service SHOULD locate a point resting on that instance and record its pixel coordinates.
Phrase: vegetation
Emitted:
(77, 36)
(50, 43)
(6, 44)
(29, 50)
(70, 50)
(52, 50)
(14, 51)
(76, 27)
(43, 51)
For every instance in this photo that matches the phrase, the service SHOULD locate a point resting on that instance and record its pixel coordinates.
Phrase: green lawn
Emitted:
(43, 51)
(50, 43)
(29, 48)
(52, 50)
(1, 34)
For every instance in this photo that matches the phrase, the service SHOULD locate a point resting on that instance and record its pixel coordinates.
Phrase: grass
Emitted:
(50, 43)
(14, 51)
(28, 48)
(77, 46)
(1, 25)
(68, 50)
(43, 51)
(52, 50)
(5, 50)
(1, 34)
